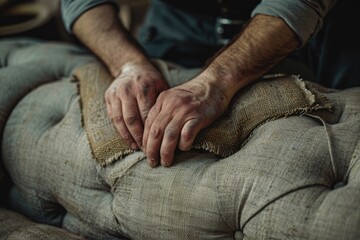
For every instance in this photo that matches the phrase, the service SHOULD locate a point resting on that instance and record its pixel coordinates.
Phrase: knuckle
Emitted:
(144, 88)
(126, 137)
(138, 138)
(155, 132)
(170, 134)
(148, 120)
(123, 90)
(188, 130)
(186, 135)
(118, 119)
(126, 91)
(131, 119)
(162, 96)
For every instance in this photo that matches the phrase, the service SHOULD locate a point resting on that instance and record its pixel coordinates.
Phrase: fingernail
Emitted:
(152, 163)
(165, 164)
(150, 160)
(134, 146)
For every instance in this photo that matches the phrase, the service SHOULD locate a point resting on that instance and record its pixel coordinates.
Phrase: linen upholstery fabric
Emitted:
(14, 226)
(20, 74)
(274, 97)
(295, 178)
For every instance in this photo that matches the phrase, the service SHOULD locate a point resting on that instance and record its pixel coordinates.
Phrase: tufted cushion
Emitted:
(14, 226)
(20, 73)
(296, 178)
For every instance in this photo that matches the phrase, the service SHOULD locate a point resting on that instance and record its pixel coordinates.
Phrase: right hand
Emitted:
(130, 97)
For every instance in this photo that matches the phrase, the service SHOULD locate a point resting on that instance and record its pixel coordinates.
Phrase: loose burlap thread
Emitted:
(272, 97)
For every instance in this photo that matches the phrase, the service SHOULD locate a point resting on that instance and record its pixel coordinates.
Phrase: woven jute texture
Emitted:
(270, 98)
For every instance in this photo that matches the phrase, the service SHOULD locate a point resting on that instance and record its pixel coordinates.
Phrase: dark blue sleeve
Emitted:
(304, 17)
(72, 9)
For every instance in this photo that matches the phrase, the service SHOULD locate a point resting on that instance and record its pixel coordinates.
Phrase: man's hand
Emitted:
(130, 97)
(137, 82)
(178, 116)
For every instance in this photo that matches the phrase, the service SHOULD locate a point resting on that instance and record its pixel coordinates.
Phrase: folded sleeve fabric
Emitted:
(71, 10)
(304, 17)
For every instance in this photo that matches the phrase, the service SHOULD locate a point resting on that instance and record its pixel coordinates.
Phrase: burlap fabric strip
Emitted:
(272, 97)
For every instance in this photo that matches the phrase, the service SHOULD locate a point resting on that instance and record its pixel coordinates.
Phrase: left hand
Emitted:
(130, 97)
(178, 116)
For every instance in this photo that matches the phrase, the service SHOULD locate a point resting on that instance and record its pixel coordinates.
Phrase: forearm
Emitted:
(265, 42)
(102, 32)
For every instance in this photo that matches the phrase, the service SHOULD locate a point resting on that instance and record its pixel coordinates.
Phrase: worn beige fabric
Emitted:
(274, 97)
(14, 226)
(16, 82)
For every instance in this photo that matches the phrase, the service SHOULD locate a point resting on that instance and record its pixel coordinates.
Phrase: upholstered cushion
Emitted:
(295, 178)
(14, 226)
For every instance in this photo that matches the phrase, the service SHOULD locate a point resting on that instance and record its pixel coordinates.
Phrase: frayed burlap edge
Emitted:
(313, 101)
(284, 95)
(105, 143)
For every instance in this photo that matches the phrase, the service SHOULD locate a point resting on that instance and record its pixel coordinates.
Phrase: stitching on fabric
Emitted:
(330, 145)
(278, 198)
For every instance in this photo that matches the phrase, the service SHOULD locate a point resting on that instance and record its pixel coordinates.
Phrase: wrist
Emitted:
(139, 66)
(103, 33)
(223, 78)
(118, 63)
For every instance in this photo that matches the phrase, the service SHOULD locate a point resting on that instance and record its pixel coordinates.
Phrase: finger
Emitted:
(119, 123)
(109, 96)
(132, 119)
(188, 134)
(154, 111)
(153, 144)
(153, 135)
(169, 142)
(145, 102)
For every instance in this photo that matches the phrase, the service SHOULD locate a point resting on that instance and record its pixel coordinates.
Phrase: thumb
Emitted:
(188, 134)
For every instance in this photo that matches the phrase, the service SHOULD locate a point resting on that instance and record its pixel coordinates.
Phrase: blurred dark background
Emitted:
(42, 19)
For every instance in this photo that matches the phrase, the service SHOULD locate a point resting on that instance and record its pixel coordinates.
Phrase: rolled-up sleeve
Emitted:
(304, 17)
(71, 10)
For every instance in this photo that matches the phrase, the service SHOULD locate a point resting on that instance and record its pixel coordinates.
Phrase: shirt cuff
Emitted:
(71, 10)
(304, 17)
